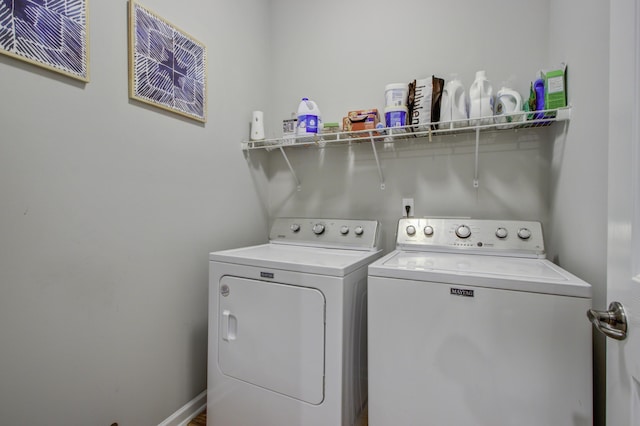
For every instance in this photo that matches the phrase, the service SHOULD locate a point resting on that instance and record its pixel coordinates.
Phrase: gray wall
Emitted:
(361, 49)
(556, 175)
(109, 209)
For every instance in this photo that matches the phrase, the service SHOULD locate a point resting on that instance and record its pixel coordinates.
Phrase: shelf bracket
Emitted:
(375, 154)
(293, 173)
(476, 183)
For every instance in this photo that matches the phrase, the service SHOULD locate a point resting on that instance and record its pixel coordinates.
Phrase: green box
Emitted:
(555, 88)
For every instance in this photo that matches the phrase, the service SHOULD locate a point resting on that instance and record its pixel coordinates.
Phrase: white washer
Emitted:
(469, 324)
(287, 325)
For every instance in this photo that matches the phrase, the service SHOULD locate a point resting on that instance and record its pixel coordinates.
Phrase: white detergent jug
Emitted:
(481, 101)
(308, 118)
(508, 108)
(453, 110)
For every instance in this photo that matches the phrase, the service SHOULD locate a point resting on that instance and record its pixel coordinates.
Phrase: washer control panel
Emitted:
(335, 233)
(505, 238)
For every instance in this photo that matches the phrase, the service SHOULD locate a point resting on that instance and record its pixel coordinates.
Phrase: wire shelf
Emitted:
(520, 120)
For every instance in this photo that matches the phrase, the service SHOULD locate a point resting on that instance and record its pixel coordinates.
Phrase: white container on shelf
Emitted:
(454, 111)
(257, 125)
(508, 108)
(396, 116)
(396, 94)
(309, 119)
(480, 101)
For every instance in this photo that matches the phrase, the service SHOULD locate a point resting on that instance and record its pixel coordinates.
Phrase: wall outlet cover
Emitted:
(407, 202)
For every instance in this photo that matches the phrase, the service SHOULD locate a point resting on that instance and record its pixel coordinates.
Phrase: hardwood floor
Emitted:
(199, 420)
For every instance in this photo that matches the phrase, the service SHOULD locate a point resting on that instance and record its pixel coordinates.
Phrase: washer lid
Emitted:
(509, 273)
(312, 260)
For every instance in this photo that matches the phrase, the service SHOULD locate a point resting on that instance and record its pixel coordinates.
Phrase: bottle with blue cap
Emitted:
(309, 119)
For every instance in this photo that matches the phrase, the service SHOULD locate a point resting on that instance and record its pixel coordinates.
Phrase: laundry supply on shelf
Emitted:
(396, 116)
(454, 111)
(330, 130)
(309, 118)
(480, 100)
(363, 119)
(425, 97)
(555, 83)
(508, 108)
(396, 94)
(536, 99)
(289, 126)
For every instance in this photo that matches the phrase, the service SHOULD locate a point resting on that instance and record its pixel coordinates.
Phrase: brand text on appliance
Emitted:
(462, 292)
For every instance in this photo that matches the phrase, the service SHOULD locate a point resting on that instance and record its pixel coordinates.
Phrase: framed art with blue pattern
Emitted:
(167, 67)
(50, 33)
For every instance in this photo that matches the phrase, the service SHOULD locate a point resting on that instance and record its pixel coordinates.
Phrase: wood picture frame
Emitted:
(50, 34)
(167, 67)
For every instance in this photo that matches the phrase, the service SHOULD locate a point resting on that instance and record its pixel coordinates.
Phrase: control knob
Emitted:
(344, 230)
(502, 233)
(524, 233)
(428, 230)
(295, 227)
(359, 230)
(463, 231)
(411, 230)
(318, 228)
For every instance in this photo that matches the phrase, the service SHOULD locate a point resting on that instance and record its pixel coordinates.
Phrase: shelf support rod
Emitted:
(293, 173)
(476, 183)
(375, 154)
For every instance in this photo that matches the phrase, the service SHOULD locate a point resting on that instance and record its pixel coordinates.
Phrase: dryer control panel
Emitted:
(333, 233)
(479, 236)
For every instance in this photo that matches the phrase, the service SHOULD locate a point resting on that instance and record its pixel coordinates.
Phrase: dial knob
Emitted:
(524, 233)
(344, 230)
(428, 230)
(318, 228)
(463, 231)
(359, 230)
(502, 233)
(411, 230)
(295, 227)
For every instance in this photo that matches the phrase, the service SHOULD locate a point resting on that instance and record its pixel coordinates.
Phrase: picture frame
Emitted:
(167, 67)
(52, 34)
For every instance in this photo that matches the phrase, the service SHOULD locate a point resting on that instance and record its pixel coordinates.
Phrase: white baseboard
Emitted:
(187, 412)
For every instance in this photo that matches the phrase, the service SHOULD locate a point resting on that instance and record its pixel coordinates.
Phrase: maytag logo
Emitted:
(461, 292)
(266, 274)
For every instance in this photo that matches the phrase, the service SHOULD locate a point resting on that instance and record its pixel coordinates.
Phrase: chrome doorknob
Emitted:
(612, 323)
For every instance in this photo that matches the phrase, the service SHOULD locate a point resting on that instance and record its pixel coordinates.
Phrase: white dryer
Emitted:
(469, 324)
(287, 325)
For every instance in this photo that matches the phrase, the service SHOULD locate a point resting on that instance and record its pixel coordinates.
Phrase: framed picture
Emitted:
(50, 34)
(167, 67)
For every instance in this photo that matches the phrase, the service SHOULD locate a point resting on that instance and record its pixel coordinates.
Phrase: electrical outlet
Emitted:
(407, 202)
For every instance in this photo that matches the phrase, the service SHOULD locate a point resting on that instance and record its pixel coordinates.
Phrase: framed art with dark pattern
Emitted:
(49, 33)
(167, 67)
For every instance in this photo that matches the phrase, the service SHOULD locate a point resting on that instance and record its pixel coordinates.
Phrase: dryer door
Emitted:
(272, 335)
